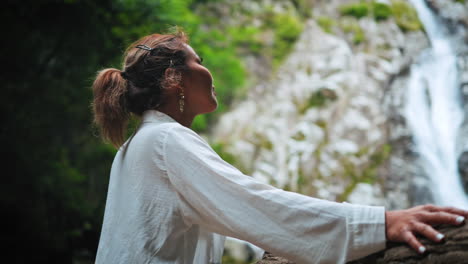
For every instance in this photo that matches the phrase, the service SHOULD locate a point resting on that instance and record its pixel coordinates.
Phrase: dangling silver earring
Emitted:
(181, 101)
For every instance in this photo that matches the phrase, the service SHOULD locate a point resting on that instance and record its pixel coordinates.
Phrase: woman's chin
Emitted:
(215, 103)
(214, 107)
(210, 109)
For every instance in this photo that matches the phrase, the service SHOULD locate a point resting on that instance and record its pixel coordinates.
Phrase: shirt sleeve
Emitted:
(220, 198)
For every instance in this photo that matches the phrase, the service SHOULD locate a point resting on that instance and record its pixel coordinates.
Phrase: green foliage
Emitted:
(199, 123)
(357, 10)
(321, 97)
(381, 11)
(287, 29)
(226, 156)
(246, 39)
(406, 16)
(318, 99)
(326, 23)
(304, 7)
(355, 29)
(164, 13)
(264, 32)
(266, 144)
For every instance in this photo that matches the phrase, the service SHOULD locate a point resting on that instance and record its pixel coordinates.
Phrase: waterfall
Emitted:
(434, 111)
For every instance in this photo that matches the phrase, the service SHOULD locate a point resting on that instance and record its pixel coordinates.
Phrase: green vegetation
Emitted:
(381, 11)
(405, 15)
(353, 27)
(226, 156)
(357, 10)
(246, 39)
(222, 46)
(321, 97)
(326, 23)
(287, 29)
(283, 27)
(304, 7)
(199, 123)
(318, 99)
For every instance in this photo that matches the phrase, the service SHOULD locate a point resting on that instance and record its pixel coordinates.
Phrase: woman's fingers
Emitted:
(428, 231)
(435, 218)
(461, 214)
(448, 209)
(413, 242)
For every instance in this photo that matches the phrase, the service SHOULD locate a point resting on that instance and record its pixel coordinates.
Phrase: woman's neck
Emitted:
(183, 118)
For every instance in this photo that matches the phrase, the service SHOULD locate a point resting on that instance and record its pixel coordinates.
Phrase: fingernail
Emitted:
(460, 219)
(440, 236)
(422, 249)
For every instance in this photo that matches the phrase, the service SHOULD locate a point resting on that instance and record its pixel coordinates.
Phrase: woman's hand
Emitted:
(403, 225)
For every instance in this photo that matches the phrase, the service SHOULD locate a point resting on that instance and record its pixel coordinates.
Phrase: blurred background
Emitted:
(346, 100)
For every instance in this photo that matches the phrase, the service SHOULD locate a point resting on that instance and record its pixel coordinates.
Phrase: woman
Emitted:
(172, 199)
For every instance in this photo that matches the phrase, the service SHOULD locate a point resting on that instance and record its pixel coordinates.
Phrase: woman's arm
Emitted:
(217, 196)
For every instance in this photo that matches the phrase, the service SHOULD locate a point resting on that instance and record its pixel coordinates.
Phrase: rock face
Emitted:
(463, 169)
(318, 127)
(454, 249)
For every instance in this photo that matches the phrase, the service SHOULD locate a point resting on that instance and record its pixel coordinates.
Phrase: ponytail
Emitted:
(140, 86)
(109, 107)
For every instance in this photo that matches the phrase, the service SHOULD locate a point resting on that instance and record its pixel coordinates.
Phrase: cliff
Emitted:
(318, 125)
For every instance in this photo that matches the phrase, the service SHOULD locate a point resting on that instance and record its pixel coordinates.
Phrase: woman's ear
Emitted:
(172, 79)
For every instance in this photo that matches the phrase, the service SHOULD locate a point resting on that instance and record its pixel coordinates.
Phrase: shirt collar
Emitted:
(154, 116)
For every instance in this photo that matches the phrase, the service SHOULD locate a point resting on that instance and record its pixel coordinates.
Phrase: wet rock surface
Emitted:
(463, 169)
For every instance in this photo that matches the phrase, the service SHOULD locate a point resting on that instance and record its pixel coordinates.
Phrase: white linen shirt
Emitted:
(172, 199)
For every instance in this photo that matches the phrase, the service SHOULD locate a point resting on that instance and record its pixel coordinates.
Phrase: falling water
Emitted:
(434, 111)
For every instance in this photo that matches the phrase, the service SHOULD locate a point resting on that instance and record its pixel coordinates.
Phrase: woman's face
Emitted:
(197, 83)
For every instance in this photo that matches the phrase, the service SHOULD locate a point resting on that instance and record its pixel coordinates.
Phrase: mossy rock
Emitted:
(353, 27)
(404, 13)
(406, 16)
(326, 23)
